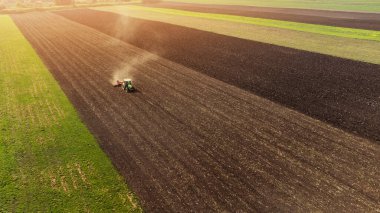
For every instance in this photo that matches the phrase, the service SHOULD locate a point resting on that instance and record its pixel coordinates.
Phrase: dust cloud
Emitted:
(128, 68)
(125, 28)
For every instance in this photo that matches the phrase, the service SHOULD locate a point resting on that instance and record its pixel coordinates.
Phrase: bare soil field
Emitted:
(189, 142)
(361, 20)
(341, 92)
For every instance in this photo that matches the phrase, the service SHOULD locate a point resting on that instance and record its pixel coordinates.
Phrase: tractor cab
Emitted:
(127, 85)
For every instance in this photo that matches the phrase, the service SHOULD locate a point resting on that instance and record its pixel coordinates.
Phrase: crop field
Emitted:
(273, 72)
(314, 38)
(359, 20)
(49, 161)
(186, 140)
(340, 5)
(297, 26)
(226, 117)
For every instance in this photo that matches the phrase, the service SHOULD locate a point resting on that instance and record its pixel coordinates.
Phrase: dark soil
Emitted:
(370, 21)
(188, 142)
(342, 92)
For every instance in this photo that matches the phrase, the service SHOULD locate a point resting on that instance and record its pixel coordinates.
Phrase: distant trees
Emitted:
(150, 1)
(64, 2)
(2, 6)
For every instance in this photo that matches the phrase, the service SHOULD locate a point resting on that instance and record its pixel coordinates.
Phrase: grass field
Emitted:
(49, 161)
(349, 5)
(342, 42)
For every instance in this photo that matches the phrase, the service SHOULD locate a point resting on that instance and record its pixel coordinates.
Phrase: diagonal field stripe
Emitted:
(343, 32)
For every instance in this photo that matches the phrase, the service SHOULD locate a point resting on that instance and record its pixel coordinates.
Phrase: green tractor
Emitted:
(126, 84)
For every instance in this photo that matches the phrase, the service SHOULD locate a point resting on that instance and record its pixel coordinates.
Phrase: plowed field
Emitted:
(338, 91)
(186, 141)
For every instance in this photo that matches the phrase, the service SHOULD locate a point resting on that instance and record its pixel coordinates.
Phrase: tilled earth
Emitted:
(189, 142)
(342, 92)
(361, 20)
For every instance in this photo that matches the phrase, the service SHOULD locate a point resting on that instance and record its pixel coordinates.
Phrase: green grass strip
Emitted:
(310, 28)
(49, 161)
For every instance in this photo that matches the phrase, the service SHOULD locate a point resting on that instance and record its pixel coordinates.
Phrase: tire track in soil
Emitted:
(197, 143)
(342, 92)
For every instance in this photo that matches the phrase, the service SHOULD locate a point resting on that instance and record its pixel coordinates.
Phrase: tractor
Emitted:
(126, 85)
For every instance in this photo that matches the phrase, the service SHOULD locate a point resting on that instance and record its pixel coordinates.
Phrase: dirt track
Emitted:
(341, 92)
(188, 142)
(370, 21)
